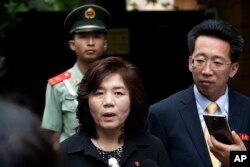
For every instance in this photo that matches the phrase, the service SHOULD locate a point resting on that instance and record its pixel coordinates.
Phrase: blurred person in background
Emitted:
(22, 141)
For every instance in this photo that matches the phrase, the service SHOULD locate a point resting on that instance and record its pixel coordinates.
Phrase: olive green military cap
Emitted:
(88, 18)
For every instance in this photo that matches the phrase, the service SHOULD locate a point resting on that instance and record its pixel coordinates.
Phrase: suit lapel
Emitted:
(190, 116)
(234, 116)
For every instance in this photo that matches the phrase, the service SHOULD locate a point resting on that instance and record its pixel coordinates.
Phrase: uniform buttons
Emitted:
(76, 81)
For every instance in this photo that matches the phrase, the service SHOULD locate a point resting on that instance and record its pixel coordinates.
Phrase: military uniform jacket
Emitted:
(79, 151)
(60, 105)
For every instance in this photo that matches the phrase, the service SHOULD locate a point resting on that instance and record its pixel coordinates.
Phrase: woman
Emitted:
(112, 111)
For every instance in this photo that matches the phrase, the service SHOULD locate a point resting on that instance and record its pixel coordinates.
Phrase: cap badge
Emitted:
(89, 13)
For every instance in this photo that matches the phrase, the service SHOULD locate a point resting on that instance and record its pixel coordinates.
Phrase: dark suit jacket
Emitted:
(78, 151)
(176, 121)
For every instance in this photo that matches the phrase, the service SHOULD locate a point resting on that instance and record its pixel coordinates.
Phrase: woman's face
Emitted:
(110, 103)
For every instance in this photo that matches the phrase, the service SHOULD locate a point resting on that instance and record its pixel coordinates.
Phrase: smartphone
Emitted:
(217, 126)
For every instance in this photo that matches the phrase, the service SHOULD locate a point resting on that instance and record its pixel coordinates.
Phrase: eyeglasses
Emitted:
(214, 64)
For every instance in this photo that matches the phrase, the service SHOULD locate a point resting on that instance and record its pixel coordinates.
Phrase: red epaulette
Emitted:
(59, 78)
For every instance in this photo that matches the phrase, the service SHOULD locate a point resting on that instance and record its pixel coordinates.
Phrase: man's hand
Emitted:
(222, 151)
(55, 138)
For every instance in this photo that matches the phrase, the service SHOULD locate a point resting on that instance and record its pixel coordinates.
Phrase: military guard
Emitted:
(87, 25)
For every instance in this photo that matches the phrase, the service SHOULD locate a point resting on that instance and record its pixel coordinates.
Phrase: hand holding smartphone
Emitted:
(218, 127)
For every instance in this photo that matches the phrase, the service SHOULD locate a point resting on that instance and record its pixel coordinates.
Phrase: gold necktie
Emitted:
(211, 108)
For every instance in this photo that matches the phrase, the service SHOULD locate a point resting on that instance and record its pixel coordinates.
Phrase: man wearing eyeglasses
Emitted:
(215, 47)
